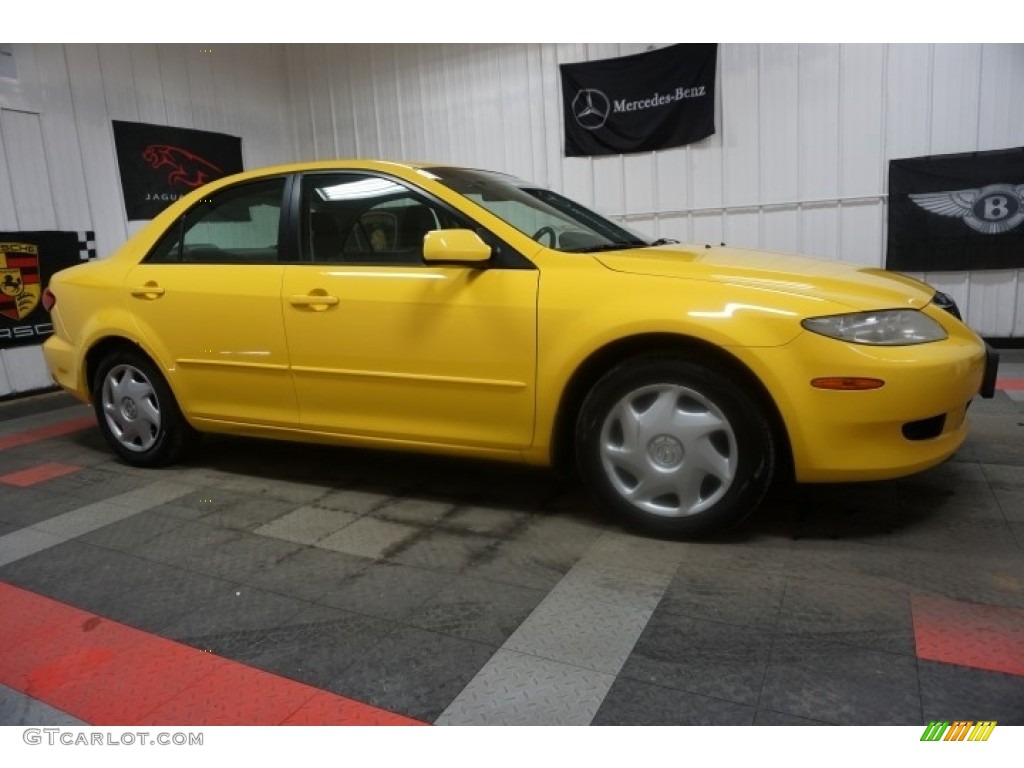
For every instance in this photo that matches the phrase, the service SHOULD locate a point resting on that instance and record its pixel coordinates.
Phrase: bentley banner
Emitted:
(957, 212)
(27, 262)
(663, 98)
(160, 164)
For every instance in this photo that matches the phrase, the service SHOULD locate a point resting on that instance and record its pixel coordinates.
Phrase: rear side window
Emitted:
(240, 225)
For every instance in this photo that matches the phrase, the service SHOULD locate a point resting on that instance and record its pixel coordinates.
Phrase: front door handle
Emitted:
(148, 291)
(313, 300)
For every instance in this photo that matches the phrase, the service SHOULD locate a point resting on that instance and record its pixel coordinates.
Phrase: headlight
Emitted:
(888, 327)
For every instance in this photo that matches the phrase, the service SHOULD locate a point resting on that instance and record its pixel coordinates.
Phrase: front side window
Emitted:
(546, 216)
(235, 226)
(357, 218)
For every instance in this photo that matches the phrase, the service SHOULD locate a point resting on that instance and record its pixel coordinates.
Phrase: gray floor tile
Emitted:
(414, 511)
(19, 709)
(309, 573)
(129, 534)
(841, 684)
(28, 506)
(387, 590)
(234, 608)
(634, 703)
(369, 537)
(723, 661)
(953, 693)
(95, 484)
(315, 646)
(732, 597)
(479, 610)
(868, 617)
(414, 672)
(26, 542)
(519, 689)
(439, 550)
(770, 717)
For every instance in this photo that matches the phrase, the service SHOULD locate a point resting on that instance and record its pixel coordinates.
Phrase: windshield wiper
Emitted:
(608, 247)
(664, 241)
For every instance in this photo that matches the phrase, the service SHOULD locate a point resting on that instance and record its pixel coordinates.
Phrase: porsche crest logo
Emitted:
(19, 279)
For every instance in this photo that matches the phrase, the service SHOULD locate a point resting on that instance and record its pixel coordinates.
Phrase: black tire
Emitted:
(137, 412)
(673, 446)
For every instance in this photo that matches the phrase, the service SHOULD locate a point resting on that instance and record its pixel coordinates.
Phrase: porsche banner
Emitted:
(655, 100)
(160, 164)
(957, 212)
(27, 262)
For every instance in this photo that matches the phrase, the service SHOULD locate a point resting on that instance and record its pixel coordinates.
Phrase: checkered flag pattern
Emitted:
(86, 245)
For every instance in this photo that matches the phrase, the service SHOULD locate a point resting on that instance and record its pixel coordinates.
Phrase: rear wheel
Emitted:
(137, 412)
(674, 446)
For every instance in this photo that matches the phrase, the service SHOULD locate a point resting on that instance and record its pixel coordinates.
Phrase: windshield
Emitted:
(546, 216)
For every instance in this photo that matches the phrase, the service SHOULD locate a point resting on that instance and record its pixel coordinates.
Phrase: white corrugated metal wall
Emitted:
(799, 162)
(58, 169)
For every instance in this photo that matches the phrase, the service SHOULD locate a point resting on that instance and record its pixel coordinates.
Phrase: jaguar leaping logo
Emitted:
(990, 210)
(591, 108)
(186, 168)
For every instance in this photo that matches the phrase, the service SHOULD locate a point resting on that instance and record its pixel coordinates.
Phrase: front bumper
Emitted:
(914, 422)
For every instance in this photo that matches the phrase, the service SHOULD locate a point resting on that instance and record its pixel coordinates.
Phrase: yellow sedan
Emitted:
(468, 312)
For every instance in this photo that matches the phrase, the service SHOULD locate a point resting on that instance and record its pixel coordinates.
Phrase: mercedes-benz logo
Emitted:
(591, 108)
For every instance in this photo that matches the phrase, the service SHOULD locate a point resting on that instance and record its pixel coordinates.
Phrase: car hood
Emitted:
(857, 287)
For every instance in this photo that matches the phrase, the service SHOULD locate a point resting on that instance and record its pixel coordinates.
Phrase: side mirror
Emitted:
(455, 246)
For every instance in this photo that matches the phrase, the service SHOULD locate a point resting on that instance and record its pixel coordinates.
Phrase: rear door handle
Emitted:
(148, 291)
(313, 300)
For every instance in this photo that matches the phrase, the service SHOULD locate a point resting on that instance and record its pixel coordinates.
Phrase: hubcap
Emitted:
(131, 408)
(668, 450)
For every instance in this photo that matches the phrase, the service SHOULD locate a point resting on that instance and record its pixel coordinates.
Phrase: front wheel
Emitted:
(137, 412)
(674, 446)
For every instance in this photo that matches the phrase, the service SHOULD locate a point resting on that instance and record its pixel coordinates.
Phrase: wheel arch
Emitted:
(604, 359)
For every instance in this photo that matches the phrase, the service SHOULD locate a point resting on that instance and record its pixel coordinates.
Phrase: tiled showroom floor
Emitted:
(276, 583)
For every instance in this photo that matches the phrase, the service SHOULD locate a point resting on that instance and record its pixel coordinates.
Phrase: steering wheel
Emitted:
(545, 230)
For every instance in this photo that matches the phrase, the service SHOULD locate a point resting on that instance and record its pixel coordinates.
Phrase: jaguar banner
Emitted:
(27, 262)
(957, 212)
(159, 164)
(647, 101)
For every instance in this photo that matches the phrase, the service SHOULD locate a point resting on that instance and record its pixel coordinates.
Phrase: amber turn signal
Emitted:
(847, 383)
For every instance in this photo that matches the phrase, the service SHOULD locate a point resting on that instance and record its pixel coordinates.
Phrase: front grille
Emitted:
(945, 301)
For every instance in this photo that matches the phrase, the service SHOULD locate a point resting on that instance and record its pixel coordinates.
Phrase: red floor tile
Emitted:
(26, 477)
(1014, 384)
(44, 433)
(969, 634)
(106, 673)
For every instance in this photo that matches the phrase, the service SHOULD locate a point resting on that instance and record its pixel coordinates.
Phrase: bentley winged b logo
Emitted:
(591, 108)
(991, 210)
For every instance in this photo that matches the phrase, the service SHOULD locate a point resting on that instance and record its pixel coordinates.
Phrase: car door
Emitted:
(207, 300)
(384, 346)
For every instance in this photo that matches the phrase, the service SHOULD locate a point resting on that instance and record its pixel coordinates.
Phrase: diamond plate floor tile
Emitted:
(442, 551)
(309, 573)
(771, 717)
(28, 506)
(95, 484)
(586, 633)
(414, 511)
(519, 689)
(126, 535)
(634, 703)
(235, 608)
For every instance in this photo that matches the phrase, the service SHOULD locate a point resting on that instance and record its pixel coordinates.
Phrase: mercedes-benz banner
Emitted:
(957, 212)
(647, 101)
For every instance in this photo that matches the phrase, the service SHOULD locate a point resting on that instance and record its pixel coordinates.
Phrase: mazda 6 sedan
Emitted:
(467, 312)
